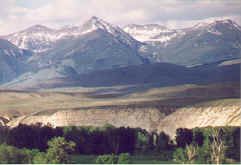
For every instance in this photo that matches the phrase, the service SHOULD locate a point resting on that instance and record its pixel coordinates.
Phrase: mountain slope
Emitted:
(159, 74)
(163, 74)
(12, 61)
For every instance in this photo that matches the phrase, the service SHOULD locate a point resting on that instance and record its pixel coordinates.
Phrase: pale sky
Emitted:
(17, 15)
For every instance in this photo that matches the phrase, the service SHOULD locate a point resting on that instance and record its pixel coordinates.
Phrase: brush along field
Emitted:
(14, 103)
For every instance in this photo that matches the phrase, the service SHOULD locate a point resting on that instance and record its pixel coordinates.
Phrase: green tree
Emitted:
(59, 150)
(11, 155)
(29, 155)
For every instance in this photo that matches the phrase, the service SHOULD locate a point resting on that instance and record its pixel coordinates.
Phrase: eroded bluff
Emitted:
(218, 113)
(214, 114)
(145, 118)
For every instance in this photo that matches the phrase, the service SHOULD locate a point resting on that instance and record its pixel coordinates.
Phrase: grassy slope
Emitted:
(16, 103)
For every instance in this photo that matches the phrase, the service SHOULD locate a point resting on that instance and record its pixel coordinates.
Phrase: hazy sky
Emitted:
(19, 14)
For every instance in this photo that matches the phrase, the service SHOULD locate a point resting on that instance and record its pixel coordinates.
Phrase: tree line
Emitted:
(88, 140)
(197, 145)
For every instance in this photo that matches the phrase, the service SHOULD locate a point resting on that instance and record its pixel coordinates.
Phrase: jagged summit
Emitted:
(95, 23)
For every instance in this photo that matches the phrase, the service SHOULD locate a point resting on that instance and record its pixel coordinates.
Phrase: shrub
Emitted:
(124, 158)
(187, 155)
(107, 159)
(179, 156)
(40, 158)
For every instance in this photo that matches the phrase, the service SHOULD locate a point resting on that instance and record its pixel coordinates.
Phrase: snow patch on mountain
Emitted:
(150, 32)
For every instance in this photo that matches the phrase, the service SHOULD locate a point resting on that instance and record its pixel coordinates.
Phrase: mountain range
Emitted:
(97, 49)
(201, 44)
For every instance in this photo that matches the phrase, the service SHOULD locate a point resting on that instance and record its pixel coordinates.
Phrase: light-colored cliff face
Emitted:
(146, 118)
(216, 113)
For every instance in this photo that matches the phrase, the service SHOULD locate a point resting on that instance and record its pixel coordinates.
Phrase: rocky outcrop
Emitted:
(3, 121)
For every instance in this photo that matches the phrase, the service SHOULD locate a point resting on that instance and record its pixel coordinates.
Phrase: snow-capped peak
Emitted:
(39, 38)
(150, 32)
(217, 27)
(95, 23)
(212, 24)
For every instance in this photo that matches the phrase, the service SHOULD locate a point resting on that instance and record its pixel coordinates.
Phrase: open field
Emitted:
(17, 103)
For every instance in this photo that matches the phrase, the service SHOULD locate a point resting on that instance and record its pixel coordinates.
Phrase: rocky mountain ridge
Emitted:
(98, 45)
(39, 38)
(201, 44)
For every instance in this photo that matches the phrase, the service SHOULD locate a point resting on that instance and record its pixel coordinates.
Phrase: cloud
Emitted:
(20, 14)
